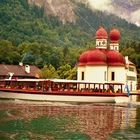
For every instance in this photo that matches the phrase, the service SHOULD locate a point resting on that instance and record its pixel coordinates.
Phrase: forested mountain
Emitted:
(31, 34)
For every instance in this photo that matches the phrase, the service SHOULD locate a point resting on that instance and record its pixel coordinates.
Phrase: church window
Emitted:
(105, 76)
(83, 76)
(103, 42)
(113, 76)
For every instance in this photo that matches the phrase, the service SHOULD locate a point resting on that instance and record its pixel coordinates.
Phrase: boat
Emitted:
(61, 90)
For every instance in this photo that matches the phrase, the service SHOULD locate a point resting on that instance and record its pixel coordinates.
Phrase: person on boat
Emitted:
(112, 88)
(104, 90)
(55, 88)
(118, 91)
(96, 89)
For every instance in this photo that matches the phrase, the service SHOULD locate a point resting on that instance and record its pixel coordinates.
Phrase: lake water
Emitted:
(61, 121)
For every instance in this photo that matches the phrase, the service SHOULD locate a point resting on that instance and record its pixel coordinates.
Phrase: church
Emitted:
(105, 63)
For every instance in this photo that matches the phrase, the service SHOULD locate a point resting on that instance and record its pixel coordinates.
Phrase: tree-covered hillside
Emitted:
(27, 34)
(36, 38)
(28, 23)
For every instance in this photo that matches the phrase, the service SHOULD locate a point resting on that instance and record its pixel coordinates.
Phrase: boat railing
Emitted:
(52, 86)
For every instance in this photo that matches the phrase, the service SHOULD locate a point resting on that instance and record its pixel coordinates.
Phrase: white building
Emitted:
(106, 64)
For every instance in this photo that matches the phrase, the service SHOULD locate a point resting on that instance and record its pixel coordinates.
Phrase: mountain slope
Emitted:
(126, 9)
(62, 9)
(86, 18)
(30, 35)
(130, 10)
(29, 23)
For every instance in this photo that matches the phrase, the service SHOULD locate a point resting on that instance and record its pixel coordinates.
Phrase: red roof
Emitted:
(114, 35)
(101, 57)
(101, 33)
(115, 58)
(83, 58)
(19, 71)
(96, 57)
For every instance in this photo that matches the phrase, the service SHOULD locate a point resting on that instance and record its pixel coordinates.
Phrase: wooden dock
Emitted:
(136, 92)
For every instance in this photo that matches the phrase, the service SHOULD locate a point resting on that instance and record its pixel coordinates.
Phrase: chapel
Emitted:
(105, 63)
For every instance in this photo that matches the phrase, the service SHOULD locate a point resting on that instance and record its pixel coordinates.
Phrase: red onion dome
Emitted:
(101, 33)
(114, 35)
(96, 57)
(114, 58)
(83, 59)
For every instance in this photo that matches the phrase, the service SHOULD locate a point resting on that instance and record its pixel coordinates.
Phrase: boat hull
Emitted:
(64, 98)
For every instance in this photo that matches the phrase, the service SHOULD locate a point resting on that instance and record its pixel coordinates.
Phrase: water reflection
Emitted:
(96, 121)
(132, 128)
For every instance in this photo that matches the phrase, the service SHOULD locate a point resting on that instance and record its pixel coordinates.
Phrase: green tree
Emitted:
(66, 72)
(128, 51)
(8, 53)
(72, 74)
(48, 72)
(63, 71)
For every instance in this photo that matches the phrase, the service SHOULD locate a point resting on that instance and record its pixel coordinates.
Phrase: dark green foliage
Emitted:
(40, 39)
(4, 138)
(21, 23)
(8, 53)
(132, 49)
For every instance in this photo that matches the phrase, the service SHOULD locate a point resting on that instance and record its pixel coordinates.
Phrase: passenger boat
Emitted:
(62, 90)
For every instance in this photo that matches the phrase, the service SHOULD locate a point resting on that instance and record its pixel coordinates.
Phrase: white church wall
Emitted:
(96, 73)
(80, 69)
(132, 78)
(120, 74)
